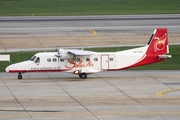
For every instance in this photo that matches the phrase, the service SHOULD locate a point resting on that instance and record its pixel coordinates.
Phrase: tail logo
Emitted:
(160, 43)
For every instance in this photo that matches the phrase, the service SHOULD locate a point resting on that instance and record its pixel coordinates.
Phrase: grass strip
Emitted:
(87, 7)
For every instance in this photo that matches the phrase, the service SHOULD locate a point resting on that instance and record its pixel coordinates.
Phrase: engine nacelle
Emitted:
(63, 54)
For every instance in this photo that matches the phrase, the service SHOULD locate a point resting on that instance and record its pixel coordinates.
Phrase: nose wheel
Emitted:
(83, 75)
(19, 76)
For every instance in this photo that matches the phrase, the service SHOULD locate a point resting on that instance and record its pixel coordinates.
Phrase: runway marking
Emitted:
(94, 32)
(162, 93)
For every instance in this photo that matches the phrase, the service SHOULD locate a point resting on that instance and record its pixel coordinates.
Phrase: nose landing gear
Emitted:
(19, 76)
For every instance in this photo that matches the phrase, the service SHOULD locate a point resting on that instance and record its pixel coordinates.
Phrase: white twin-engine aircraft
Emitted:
(82, 62)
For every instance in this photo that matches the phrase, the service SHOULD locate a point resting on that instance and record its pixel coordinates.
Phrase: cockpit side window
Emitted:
(37, 60)
(33, 58)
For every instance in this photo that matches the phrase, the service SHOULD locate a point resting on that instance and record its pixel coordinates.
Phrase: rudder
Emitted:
(158, 44)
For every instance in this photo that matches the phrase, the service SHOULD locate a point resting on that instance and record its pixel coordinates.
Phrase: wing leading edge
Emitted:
(79, 52)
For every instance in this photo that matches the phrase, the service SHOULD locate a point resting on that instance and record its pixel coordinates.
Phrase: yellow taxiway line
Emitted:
(94, 32)
(166, 91)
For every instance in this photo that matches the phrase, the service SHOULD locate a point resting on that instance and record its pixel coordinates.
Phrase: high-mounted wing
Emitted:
(79, 52)
(68, 54)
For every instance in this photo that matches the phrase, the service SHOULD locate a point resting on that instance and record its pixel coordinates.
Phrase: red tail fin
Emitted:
(158, 44)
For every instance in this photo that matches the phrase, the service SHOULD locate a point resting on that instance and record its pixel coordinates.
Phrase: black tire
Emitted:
(19, 77)
(83, 75)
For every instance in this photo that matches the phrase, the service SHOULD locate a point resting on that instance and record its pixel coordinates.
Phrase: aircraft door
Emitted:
(112, 62)
(105, 61)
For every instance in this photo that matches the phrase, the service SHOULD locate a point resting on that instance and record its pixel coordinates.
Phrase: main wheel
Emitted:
(83, 75)
(19, 76)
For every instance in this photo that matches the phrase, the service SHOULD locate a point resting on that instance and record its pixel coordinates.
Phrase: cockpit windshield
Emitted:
(33, 58)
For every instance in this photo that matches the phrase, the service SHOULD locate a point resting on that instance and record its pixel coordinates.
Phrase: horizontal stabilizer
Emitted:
(164, 56)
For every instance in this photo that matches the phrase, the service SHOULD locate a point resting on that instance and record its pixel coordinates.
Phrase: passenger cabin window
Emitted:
(37, 60)
(62, 60)
(111, 59)
(87, 59)
(77, 59)
(49, 59)
(33, 58)
(95, 59)
(54, 59)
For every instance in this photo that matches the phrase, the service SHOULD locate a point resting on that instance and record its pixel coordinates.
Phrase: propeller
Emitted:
(58, 54)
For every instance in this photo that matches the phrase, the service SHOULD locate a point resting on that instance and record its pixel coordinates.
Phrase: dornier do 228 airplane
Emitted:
(82, 62)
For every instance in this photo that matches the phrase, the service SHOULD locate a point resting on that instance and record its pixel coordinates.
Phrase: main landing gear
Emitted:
(83, 75)
(19, 76)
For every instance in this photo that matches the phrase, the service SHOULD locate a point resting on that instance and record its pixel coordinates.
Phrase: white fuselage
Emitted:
(96, 62)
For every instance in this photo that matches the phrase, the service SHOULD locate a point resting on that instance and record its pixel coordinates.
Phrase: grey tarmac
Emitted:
(83, 31)
(132, 95)
(129, 94)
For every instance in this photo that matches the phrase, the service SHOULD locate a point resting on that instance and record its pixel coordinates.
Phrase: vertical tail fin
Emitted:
(158, 44)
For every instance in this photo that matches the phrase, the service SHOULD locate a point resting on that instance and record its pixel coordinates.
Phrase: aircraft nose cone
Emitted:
(7, 69)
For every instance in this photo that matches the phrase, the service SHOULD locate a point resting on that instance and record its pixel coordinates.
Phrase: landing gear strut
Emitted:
(19, 76)
(83, 75)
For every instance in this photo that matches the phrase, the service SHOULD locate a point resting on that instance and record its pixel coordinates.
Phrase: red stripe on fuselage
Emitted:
(24, 71)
